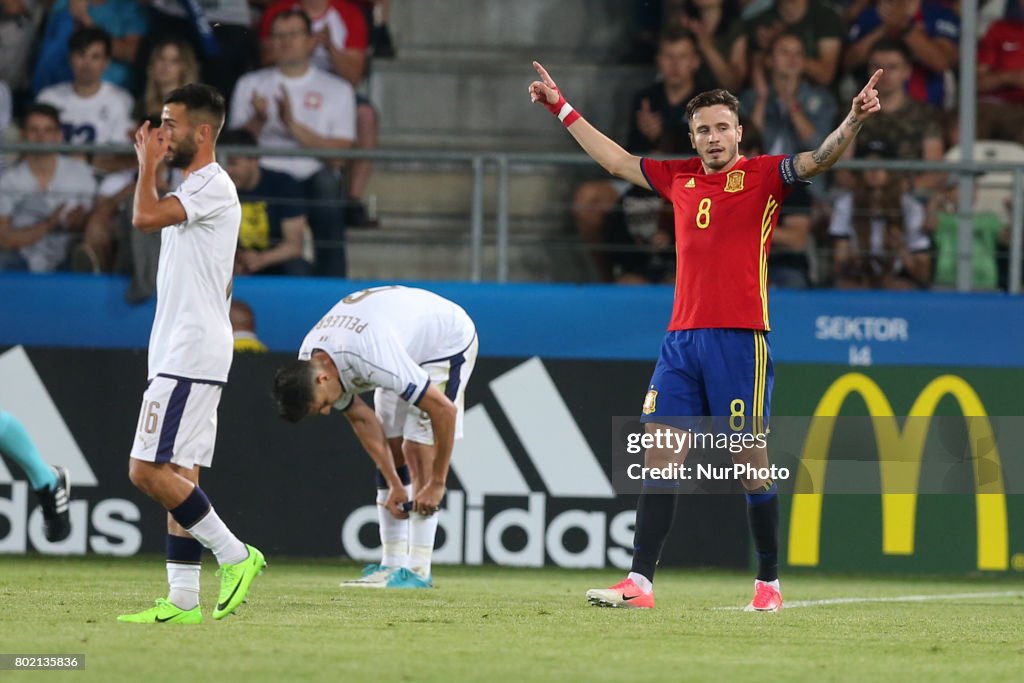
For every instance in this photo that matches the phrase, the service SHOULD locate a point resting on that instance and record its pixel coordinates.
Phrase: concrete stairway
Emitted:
(459, 83)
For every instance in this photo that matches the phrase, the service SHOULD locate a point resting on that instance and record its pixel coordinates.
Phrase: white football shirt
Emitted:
(379, 337)
(191, 335)
(320, 101)
(106, 117)
(26, 203)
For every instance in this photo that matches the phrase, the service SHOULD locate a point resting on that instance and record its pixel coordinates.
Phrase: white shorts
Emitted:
(401, 418)
(178, 422)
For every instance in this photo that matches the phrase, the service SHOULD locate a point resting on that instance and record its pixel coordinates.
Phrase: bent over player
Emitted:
(416, 350)
(715, 359)
(190, 350)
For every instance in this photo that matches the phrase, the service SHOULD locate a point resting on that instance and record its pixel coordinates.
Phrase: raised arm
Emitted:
(865, 105)
(599, 146)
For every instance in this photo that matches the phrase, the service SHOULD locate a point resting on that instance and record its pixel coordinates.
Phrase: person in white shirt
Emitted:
(416, 350)
(92, 111)
(44, 200)
(296, 105)
(190, 350)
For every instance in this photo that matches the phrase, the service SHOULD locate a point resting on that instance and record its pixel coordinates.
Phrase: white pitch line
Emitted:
(897, 598)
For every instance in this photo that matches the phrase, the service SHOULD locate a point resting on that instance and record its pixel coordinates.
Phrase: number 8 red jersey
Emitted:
(723, 225)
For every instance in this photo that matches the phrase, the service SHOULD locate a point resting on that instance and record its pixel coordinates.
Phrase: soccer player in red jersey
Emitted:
(715, 360)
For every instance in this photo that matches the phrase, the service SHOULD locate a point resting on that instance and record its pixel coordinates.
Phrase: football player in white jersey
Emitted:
(416, 350)
(190, 350)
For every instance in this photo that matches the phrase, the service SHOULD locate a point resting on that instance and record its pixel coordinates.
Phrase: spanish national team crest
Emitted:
(734, 181)
(650, 402)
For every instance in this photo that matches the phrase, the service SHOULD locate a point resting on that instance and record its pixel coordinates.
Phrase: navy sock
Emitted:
(655, 512)
(763, 514)
(184, 550)
(192, 509)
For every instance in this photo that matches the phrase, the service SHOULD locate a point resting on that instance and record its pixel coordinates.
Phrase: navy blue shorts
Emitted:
(726, 374)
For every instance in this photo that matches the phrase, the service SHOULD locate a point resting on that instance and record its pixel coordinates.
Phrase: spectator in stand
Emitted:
(659, 123)
(717, 27)
(172, 64)
(273, 234)
(219, 32)
(124, 21)
(912, 127)
(44, 200)
(91, 109)
(1001, 77)
(878, 230)
(815, 22)
(243, 326)
(19, 25)
(930, 33)
(340, 29)
(791, 112)
(297, 105)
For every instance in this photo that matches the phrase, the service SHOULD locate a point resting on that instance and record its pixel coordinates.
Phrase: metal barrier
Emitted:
(481, 164)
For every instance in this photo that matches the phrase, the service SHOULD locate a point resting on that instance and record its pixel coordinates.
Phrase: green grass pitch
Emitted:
(495, 624)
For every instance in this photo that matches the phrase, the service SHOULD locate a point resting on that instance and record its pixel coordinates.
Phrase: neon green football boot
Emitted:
(165, 612)
(235, 580)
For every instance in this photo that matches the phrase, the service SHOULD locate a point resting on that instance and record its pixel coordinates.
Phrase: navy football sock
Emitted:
(655, 512)
(763, 514)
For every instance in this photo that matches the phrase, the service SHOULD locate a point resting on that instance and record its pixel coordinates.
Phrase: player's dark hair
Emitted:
(711, 98)
(85, 36)
(892, 45)
(200, 99)
(293, 389)
(291, 13)
(42, 109)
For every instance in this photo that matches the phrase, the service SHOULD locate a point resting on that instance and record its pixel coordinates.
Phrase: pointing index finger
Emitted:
(874, 79)
(544, 75)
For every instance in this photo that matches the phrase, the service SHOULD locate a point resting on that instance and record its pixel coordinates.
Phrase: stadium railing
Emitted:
(484, 164)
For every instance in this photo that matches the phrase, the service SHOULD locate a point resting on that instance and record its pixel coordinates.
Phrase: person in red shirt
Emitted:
(715, 360)
(1001, 77)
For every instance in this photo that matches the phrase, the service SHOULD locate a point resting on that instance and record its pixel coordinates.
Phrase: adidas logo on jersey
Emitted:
(690, 183)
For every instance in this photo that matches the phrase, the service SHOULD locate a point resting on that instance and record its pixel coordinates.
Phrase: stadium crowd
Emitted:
(795, 64)
(91, 71)
(293, 73)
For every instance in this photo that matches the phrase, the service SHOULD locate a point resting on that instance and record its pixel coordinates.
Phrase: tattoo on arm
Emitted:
(836, 143)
